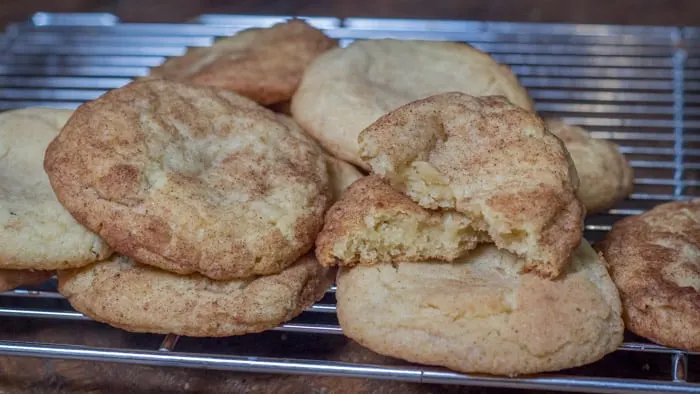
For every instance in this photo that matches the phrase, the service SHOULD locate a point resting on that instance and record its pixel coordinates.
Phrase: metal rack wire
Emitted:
(635, 85)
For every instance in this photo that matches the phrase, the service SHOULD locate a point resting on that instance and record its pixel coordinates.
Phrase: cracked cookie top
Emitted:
(346, 89)
(191, 179)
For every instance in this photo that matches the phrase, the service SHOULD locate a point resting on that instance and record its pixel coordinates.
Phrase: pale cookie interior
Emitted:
(388, 237)
(191, 179)
(373, 223)
(489, 160)
(654, 259)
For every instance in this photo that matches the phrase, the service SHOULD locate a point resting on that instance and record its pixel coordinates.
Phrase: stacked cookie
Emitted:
(179, 204)
(211, 201)
(479, 183)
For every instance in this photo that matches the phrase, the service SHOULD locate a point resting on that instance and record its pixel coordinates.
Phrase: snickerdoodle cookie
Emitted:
(140, 298)
(346, 89)
(654, 259)
(191, 179)
(490, 160)
(373, 223)
(265, 65)
(37, 233)
(605, 176)
(482, 315)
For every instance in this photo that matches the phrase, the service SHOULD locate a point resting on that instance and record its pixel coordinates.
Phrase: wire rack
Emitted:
(638, 86)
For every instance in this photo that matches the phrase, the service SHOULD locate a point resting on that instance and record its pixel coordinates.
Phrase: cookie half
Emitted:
(265, 65)
(139, 298)
(191, 179)
(481, 315)
(373, 223)
(490, 160)
(346, 89)
(36, 231)
(654, 259)
(605, 176)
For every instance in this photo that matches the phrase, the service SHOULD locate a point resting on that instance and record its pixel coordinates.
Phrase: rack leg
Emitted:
(679, 368)
(169, 343)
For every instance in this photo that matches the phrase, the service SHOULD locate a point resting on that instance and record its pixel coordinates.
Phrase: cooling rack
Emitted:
(636, 85)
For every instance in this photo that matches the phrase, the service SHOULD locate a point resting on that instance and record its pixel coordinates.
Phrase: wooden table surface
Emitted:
(42, 376)
(654, 12)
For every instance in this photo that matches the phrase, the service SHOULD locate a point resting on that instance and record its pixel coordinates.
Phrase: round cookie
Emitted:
(9, 279)
(191, 179)
(36, 232)
(265, 65)
(605, 177)
(346, 89)
(139, 298)
(373, 223)
(490, 160)
(482, 315)
(654, 259)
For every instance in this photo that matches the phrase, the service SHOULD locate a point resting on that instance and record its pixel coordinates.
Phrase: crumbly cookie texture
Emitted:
(482, 315)
(605, 176)
(489, 160)
(265, 65)
(346, 89)
(654, 259)
(36, 232)
(191, 179)
(374, 223)
(140, 298)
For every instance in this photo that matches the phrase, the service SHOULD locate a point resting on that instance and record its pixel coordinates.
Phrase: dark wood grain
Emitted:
(645, 12)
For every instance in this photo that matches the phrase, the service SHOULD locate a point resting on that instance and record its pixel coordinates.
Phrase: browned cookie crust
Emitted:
(654, 259)
(191, 179)
(140, 298)
(265, 65)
